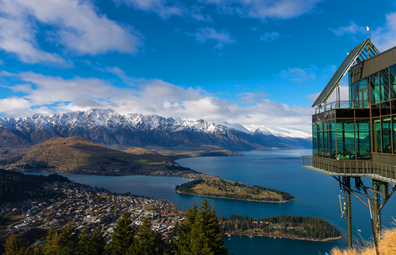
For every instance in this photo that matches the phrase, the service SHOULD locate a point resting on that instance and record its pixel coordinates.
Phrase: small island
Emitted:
(283, 226)
(220, 188)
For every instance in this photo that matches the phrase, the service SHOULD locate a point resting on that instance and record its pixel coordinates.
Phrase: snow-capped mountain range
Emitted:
(110, 128)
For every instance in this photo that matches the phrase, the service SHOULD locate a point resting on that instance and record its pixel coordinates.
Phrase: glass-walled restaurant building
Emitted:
(364, 127)
(357, 138)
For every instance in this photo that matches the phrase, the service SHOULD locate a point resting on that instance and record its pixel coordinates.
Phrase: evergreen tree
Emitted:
(51, 244)
(82, 243)
(146, 242)
(122, 237)
(200, 233)
(68, 240)
(16, 246)
(209, 231)
(97, 242)
(183, 244)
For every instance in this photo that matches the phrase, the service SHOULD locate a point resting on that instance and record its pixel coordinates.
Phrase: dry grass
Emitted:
(77, 153)
(387, 246)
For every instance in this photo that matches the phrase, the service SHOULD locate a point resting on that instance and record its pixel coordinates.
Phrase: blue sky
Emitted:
(254, 62)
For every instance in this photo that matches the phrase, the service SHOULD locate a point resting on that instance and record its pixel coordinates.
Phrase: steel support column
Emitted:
(347, 183)
(376, 207)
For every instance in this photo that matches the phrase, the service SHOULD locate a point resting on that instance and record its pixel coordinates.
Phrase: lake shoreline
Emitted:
(290, 238)
(275, 202)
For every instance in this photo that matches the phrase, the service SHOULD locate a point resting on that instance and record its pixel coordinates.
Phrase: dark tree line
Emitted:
(16, 186)
(292, 226)
(199, 234)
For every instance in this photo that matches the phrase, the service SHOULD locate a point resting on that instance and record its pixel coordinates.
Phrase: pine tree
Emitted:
(68, 240)
(146, 242)
(16, 246)
(122, 237)
(200, 233)
(208, 231)
(183, 244)
(51, 244)
(96, 243)
(82, 243)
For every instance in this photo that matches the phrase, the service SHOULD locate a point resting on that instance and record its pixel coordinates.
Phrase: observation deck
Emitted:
(354, 168)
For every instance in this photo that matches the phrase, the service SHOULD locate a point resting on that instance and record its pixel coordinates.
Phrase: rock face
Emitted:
(109, 128)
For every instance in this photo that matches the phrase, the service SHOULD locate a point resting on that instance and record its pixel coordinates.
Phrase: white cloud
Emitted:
(384, 37)
(269, 36)
(55, 94)
(75, 26)
(308, 73)
(299, 74)
(351, 30)
(263, 9)
(251, 98)
(166, 9)
(204, 34)
(14, 103)
(313, 97)
(259, 9)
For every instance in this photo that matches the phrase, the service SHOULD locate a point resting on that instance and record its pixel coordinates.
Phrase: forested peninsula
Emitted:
(284, 226)
(217, 187)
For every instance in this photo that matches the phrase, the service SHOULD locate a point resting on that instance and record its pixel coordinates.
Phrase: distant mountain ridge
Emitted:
(109, 128)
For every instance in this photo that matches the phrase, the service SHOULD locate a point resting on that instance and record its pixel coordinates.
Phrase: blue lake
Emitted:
(278, 169)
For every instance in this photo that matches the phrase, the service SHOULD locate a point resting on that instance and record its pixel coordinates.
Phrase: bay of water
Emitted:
(278, 169)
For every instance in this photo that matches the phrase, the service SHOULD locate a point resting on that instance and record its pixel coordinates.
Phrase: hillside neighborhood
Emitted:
(87, 207)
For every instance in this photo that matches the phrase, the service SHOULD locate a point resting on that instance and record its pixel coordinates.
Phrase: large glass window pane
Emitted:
(374, 89)
(363, 144)
(332, 143)
(313, 127)
(331, 124)
(375, 110)
(393, 106)
(392, 80)
(354, 95)
(394, 134)
(345, 144)
(319, 126)
(384, 83)
(386, 135)
(385, 108)
(345, 124)
(326, 145)
(325, 115)
(325, 125)
(315, 143)
(320, 144)
(362, 84)
(332, 114)
(377, 135)
(362, 124)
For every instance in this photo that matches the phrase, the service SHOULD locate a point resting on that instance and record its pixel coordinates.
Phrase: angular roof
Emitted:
(356, 54)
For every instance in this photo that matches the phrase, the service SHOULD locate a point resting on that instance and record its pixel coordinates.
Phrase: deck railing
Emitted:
(362, 104)
(350, 168)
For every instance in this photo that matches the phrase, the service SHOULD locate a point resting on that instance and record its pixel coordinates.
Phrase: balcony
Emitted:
(356, 168)
(358, 104)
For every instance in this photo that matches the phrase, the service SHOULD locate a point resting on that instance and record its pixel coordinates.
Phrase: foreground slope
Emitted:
(386, 246)
(76, 154)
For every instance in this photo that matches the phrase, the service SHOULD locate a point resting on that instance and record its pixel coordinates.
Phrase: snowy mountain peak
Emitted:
(112, 121)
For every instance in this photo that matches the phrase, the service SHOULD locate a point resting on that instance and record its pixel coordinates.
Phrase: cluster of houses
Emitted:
(86, 207)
